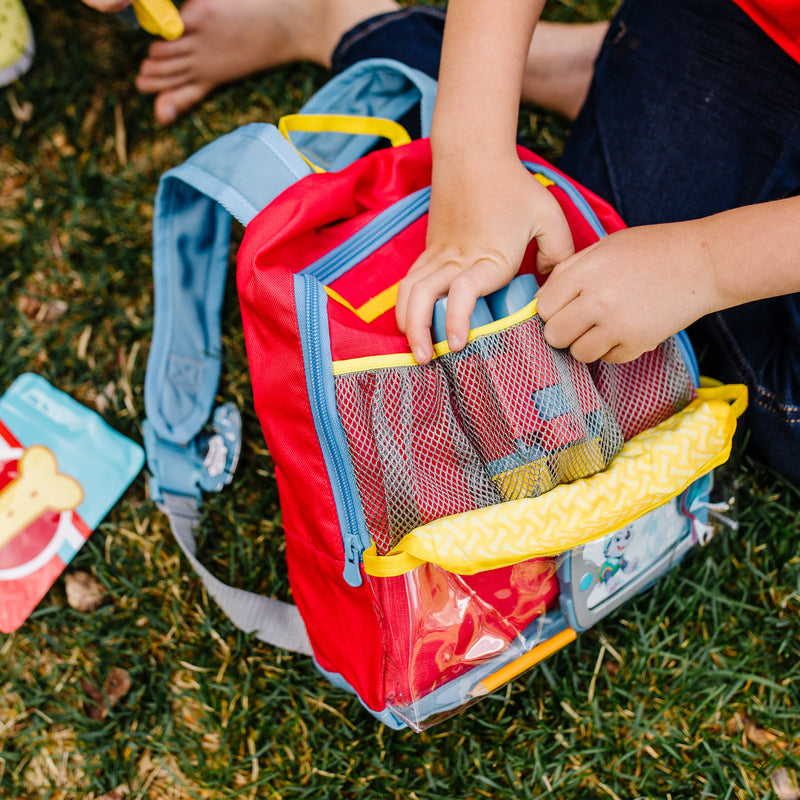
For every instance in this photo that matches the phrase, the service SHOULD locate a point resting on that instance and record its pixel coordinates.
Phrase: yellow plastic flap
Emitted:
(651, 468)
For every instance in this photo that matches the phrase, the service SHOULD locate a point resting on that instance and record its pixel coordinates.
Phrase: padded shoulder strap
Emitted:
(236, 175)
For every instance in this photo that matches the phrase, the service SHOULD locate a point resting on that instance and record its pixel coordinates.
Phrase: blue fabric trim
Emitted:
(238, 174)
(387, 717)
(578, 200)
(382, 229)
(311, 303)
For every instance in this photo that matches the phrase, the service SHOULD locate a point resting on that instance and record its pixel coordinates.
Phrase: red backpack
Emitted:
(419, 502)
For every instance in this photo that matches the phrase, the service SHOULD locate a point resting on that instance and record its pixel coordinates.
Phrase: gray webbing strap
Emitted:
(272, 621)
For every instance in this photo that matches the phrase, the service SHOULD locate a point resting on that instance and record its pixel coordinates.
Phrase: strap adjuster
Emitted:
(206, 463)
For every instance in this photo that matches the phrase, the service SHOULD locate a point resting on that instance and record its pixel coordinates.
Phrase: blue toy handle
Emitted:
(495, 306)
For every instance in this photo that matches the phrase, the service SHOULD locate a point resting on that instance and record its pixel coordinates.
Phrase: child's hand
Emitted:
(108, 6)
(480, 224)
(628, 292)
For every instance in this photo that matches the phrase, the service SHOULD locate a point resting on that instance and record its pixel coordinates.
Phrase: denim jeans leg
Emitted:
(694, 110)
(412, 35)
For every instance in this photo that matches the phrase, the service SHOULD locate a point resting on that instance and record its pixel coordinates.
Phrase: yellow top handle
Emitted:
(342, 123)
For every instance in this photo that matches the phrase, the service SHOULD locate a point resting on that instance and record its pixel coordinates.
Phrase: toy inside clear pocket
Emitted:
(446, 636)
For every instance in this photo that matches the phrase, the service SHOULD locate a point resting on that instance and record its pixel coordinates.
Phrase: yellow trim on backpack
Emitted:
(651, 468)
(368, 363)
(373, 308)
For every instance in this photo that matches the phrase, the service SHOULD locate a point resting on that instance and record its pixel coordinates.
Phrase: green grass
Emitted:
(644, 705)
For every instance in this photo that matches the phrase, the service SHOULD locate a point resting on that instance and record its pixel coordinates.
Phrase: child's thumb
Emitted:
(553, 237)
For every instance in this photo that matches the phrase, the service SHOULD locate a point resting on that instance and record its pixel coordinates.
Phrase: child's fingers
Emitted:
(435, 275)
(108, 6)
(552, 233)
(417, 293)
(481, 278)
(567, 324)
(592, 345)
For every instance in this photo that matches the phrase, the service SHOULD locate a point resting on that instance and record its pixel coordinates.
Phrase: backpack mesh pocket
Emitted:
(507, 417)
(413, 462)
(644, 392)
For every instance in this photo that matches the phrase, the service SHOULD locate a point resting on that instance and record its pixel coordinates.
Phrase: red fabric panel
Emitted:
(779, 19)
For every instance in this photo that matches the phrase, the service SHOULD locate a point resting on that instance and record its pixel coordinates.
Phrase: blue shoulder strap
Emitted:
(238, 175)
(190, 445)
(234, 176)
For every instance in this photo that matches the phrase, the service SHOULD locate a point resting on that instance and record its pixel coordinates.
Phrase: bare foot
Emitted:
(226, 40)
(561, 64)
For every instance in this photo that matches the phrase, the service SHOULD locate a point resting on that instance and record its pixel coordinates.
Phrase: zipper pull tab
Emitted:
(352, 562)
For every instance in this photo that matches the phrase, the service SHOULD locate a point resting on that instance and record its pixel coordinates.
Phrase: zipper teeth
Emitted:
(312, 305)
(580, 202)
(330, 266)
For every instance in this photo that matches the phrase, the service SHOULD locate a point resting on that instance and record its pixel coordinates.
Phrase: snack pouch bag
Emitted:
(61, 469)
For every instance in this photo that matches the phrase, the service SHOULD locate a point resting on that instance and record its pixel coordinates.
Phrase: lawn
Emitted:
(690, 691)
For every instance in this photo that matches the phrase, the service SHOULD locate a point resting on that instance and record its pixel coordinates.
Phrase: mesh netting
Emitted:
(507, 417)
(644, 392)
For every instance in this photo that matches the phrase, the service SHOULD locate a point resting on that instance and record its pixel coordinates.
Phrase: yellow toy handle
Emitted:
(159, 17)
(342, 123)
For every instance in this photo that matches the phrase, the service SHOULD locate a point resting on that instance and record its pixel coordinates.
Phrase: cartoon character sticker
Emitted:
(619, 556)
(614, 552)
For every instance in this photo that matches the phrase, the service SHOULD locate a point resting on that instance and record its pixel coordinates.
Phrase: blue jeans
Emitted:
(692, 110)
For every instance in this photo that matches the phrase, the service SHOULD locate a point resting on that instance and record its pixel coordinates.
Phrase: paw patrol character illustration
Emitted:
(614, 553)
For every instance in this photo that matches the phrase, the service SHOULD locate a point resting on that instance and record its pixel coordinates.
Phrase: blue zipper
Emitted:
(689, 357)
(311, 304)
(380, 230)
(578, 200)
(401, 214)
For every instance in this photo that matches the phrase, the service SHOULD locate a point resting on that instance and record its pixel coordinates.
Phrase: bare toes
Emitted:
(169, 105)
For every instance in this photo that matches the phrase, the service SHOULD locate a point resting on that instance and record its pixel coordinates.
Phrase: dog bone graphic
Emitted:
(39, 487)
